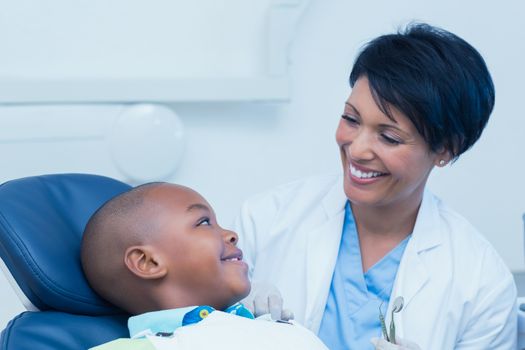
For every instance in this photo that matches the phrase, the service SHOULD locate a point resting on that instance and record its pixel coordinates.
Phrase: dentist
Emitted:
(342, 248)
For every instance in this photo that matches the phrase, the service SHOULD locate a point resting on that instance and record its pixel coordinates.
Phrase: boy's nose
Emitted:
(230, 237)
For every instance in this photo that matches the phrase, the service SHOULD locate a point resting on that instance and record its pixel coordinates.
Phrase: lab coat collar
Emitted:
(427, 232)
(335, 200)
(412, 273)
(322, 249)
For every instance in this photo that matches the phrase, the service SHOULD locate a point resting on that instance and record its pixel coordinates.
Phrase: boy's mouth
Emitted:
(235, 256)
(235, 259)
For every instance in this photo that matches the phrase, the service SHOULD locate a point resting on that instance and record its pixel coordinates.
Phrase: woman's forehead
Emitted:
(362, 101)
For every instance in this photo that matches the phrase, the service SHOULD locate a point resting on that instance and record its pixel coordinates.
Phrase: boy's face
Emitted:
(201, 257)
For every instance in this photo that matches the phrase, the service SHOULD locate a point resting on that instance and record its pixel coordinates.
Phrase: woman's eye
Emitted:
(390, 140)
(204, 221)
(349, 118)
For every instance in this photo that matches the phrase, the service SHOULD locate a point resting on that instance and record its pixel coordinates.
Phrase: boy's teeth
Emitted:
(362, 175)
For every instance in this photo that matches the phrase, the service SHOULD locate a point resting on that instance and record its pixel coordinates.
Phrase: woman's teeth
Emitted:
(362, 175)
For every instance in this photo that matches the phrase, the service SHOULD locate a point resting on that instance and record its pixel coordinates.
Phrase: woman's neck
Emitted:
(393, 221)
(381, 228)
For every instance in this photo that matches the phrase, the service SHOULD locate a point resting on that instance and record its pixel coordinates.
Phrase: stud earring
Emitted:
(442, 162)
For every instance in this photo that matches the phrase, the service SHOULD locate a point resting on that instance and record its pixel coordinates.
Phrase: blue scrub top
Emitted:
(351, 315)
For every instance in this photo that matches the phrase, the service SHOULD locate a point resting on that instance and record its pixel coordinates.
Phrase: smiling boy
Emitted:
(158, 252)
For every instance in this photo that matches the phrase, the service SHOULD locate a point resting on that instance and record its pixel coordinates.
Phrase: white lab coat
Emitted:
(458, 292)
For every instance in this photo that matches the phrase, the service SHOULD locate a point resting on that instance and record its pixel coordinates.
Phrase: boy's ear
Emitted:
(145, 262)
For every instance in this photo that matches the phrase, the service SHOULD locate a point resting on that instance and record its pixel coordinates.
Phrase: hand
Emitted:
(265, 298)
(382, 344)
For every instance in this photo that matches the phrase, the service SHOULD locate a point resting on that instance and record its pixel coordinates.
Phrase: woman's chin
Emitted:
(357, 195)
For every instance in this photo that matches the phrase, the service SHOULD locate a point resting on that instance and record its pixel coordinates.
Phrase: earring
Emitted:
(442, 162)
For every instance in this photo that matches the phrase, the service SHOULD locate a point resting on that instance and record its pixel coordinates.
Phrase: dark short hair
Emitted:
(117, 224)
(435, 78)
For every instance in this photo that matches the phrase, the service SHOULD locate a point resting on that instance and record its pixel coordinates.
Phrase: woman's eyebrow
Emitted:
(353, 108)
(197, 206)
(391, 126)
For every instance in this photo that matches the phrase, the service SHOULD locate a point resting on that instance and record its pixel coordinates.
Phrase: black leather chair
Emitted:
(41, 223)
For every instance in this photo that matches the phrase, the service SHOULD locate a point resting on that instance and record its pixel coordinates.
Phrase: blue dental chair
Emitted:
(41, 223)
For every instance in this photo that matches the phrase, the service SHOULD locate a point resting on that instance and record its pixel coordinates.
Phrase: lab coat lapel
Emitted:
(412, 274)
(322, 249)
(411, 277)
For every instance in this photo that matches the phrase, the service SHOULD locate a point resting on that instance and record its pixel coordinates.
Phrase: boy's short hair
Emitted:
(111, 229)
(435, 78)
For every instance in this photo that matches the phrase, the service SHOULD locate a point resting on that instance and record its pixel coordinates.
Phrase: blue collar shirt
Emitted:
(163, 323)
(351, 315)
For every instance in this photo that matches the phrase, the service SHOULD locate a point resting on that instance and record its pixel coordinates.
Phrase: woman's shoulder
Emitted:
(305, 202)
(309, 188)
(467, 243)
(457, 226)
(466, 272)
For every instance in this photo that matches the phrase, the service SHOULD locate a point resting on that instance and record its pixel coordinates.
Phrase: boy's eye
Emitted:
(204, 221)
(349, 118)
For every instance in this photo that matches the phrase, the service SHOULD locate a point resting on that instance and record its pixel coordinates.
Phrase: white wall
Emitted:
(234, 150)
(123, 38)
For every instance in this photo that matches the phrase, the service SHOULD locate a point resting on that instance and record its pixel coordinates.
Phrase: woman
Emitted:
(342, 248)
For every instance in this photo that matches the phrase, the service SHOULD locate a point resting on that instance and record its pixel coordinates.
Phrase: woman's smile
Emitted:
(363, 176)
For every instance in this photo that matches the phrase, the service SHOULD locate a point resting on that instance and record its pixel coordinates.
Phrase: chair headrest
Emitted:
(52, 330)
(41, 223)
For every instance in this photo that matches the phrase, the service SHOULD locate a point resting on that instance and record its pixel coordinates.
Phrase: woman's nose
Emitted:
(230, 237)
(361, 147)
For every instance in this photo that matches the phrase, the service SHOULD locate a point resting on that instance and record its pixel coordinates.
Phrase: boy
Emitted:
(158, 252)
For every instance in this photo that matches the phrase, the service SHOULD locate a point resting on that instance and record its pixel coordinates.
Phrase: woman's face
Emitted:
(385, 162)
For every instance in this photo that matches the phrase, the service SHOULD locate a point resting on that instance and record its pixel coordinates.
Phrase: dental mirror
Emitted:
(396, 307)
